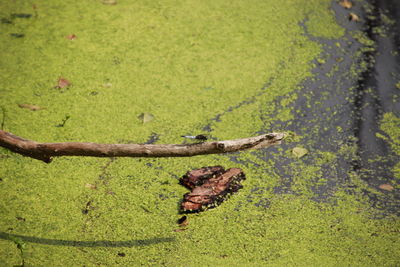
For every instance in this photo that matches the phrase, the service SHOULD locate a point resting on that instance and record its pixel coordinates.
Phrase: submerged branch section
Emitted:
(45, 151)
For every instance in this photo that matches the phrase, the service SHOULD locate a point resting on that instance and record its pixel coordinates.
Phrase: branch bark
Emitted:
(45, 151)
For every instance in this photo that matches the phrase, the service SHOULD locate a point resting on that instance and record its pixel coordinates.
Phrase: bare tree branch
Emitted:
(44, 151)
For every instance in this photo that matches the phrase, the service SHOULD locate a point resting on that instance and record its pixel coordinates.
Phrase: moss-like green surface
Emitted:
(390, 125)
(185, 62)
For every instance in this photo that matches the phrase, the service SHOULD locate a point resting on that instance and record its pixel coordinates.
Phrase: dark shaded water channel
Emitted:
(380, 78)
(345, 102)
(339, 111)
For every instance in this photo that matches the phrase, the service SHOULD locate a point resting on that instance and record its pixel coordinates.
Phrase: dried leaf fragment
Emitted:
(213, 191)
(71, 37)
(299, 152)
(30, 107)
(346, 4)
(62, 83)
(197, 177)
(146, 117)
(354, 17)
(386, 187)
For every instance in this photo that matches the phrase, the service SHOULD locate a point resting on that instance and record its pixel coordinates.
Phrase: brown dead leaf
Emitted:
(354, 17)
(386, 187)
(30, 107)
(71, 37)
(346, 4)
(213, 191)
(62, 83)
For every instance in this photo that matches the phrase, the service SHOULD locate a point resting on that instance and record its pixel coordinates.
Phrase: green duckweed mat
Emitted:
(226, 68)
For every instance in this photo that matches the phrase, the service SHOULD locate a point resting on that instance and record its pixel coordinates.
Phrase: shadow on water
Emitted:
(98, 243)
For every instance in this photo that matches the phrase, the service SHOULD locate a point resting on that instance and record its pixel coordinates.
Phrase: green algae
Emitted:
(390, 125)
(185, 63)
(320, 11)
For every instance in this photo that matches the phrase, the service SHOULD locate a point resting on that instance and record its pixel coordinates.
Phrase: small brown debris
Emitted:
(20, 218)
(183, 221)
(346, 4)
(386, 187)
(354, 17)
(197, 177)
(71, 37)
(62, 83)
(213, 191)
(30, 107)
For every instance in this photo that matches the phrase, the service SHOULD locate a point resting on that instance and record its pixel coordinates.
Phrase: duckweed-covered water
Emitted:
(229, 69)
